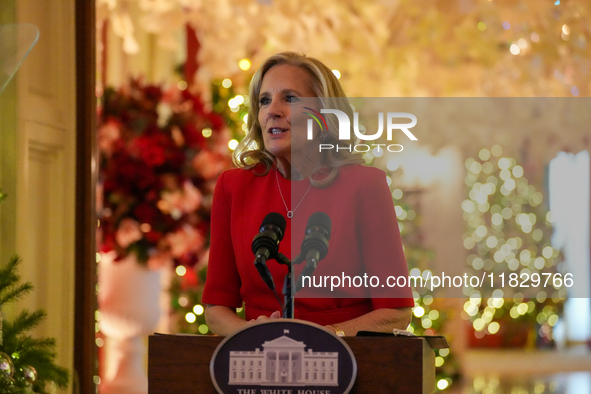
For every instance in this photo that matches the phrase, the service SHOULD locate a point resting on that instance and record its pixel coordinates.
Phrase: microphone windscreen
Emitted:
(322, 220)
(275, 219)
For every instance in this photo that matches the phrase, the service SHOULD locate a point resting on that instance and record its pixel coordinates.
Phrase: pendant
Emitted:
(290, 214)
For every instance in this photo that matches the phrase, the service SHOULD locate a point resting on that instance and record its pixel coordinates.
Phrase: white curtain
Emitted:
(569, 184)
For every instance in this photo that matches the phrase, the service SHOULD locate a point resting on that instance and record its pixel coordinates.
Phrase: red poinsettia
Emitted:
(157, 171)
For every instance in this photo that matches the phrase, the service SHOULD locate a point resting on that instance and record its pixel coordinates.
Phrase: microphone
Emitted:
(315, 243)
(265, 244)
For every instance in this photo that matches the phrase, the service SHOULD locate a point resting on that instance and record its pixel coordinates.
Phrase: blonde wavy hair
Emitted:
(251, 151)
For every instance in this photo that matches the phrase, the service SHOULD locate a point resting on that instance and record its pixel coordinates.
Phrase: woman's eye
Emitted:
(264, 101)
(291, 99)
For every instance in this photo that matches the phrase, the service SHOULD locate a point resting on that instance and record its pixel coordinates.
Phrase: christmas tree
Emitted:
(26, 363)
(508, 236)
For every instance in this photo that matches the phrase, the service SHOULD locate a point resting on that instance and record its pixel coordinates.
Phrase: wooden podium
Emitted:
(179, 364)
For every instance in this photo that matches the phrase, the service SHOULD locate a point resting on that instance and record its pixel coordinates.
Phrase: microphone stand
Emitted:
(288, 285)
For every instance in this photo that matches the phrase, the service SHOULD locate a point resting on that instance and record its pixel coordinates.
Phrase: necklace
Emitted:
(290, 212)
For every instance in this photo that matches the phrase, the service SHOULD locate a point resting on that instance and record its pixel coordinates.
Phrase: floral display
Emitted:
(160, 154)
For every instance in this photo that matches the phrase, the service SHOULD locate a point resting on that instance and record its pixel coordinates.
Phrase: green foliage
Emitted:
(23, 350)
(10, 289)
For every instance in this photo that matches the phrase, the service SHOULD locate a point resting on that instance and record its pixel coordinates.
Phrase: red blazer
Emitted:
(365, 239)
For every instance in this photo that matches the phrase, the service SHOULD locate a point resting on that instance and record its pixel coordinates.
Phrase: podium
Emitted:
(179, 364)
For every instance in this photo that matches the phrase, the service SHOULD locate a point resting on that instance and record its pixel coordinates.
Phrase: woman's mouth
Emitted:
(276, 130)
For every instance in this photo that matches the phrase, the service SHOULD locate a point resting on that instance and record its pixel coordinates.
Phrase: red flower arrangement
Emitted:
(160, 154)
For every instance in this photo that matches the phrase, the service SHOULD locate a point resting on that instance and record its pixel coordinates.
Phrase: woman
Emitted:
(277, 163)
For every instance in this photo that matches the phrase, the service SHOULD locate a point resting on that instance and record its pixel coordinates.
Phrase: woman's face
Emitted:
(282, 85)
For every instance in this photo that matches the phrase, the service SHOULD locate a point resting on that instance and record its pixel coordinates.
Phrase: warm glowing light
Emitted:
(468, 206)
(484, 154)
(496, 150)
(227, 83)
(493, 327)
(442, 384)
(517, 171)
(522, 43)
(198, 309)
(535, 37)
(337, 73)
(418, 311)
(190, 317)
(232, 144)
(397, 194)
(491, 242)
(478, 325)
(481, 231)
(539, 262)
(203, 329)
(244, 64)
(547, 252)
(207, 132)
(183, 301)
(504, 163)
(181, 270)
(481, 26)
(400, 212)
(181, 85)
(566, 29)
(478, 263)
(439, 361)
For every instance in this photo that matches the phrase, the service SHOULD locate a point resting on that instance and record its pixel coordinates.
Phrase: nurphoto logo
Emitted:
(345, 130)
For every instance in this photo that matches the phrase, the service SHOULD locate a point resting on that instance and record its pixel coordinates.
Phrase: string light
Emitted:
(207, 132)
(181, 270)
(232, 144)
(244, 64)
(227, 83)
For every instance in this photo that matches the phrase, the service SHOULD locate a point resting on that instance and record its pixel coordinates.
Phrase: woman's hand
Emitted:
(379, 320)
(264, 319)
